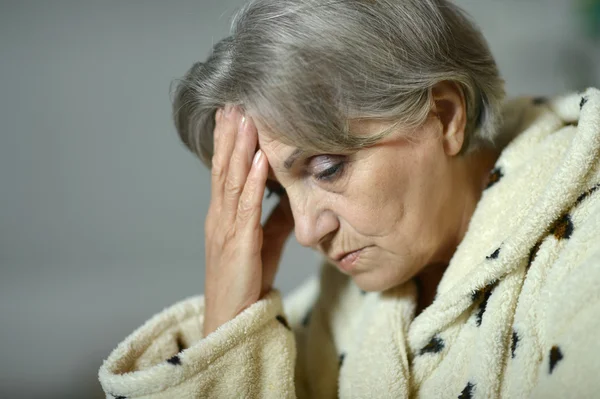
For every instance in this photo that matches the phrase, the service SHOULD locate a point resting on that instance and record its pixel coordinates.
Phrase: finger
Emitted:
(250, 203)
(276, 231)
(224, 140)
(239, 167)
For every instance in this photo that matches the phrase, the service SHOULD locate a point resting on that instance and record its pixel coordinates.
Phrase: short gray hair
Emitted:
(305, 68)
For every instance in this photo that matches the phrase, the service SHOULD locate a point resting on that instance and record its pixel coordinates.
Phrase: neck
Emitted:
(473, 171)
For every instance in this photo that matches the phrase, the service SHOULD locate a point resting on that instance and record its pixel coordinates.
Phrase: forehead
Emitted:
(275, 150)
(271, 144)
(269, 140)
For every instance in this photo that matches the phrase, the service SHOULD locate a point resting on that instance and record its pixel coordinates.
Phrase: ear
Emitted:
(449, 107)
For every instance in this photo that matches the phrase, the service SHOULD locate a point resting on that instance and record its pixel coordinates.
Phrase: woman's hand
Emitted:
(241, 256)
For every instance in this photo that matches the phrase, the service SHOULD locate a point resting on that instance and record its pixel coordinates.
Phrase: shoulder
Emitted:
(570, 304)
(574, 276)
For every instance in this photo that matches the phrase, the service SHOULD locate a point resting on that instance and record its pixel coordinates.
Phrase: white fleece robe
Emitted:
(517, 313)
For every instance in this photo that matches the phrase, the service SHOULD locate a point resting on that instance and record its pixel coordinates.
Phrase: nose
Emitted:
(312, 223)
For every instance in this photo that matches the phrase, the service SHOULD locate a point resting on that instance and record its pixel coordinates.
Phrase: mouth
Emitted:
(347, 260)
(343, 255)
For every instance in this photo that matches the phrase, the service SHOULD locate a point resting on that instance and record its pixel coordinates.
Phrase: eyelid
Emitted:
(331, 173)
(335, 167)
(331, 160)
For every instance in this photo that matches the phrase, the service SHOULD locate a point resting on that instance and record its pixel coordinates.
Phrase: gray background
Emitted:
(102, 209)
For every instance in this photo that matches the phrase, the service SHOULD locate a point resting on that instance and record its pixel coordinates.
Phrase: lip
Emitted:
(341, 255)
(347, 260)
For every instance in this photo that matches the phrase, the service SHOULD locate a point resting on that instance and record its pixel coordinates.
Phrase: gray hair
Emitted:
(305, 68)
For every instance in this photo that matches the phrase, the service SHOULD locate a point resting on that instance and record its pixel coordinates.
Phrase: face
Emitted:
(393, 202)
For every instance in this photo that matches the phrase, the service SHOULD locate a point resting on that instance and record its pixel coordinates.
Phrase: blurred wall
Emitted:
(102, 209)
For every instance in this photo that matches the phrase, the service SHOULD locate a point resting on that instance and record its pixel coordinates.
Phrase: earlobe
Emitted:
(449, 107)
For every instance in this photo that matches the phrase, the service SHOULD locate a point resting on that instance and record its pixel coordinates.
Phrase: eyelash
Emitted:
(331, 173)
(327, 176)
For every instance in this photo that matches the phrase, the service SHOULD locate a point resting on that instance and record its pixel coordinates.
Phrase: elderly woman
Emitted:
(460, 231)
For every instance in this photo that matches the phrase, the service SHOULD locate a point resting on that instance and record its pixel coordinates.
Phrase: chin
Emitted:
(379, 279)
(370, 282)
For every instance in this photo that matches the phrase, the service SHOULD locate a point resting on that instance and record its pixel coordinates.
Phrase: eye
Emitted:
(327, 168)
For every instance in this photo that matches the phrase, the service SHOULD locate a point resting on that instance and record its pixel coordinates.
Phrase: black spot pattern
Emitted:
(482, 295)
(495, 175)
(120, 397)
(555, 357)
(435, 345)
(180, 344)
(582, 102)
(467, 392)
(513, 345)
(306, 318)
(363, 292)
(539, 100)
(494, 255)
(174, 360)
(283, 321)
(341, 359)
(587, 193)
(533, 253)
(563, 227)
(481, 311)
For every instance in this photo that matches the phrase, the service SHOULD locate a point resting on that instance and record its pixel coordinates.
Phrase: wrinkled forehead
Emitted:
(272, 143)
(276, 150)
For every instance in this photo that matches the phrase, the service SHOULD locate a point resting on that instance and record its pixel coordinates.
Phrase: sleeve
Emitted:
(250, 356)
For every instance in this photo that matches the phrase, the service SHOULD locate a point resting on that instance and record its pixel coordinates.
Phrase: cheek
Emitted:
(393, 195)
(373, 206)
(427, 192)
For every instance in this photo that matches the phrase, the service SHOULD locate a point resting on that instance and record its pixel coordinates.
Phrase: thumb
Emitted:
(276, 231)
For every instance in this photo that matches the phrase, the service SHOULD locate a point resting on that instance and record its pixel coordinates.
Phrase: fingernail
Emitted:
(257, 157)
(228, 109)
(243, 124)
(218, 114)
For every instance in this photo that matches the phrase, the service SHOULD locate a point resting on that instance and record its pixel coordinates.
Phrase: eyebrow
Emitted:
(289, 162)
